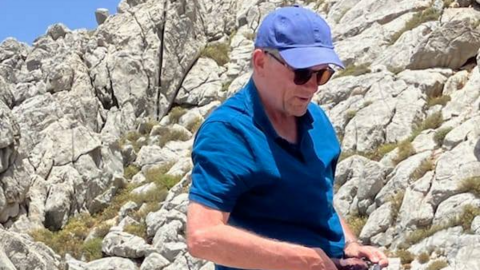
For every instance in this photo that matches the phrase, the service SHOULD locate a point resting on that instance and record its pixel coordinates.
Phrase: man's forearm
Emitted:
(233, 247)
(349, 235)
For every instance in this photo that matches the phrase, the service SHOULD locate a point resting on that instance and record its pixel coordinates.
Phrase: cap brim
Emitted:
(310, 56)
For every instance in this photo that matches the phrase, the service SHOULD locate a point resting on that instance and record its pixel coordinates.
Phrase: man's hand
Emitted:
(373, 254)
(325, 263)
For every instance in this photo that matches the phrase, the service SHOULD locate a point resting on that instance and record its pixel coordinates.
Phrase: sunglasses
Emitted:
(303, 75)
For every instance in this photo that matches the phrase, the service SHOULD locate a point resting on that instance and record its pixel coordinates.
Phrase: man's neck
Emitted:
(285, 125)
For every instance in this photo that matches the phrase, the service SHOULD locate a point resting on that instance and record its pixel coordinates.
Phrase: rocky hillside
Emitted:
(96, 129)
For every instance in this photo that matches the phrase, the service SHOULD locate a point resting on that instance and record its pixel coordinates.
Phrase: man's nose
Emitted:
(311, 84)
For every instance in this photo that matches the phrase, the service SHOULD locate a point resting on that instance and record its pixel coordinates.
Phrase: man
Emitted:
(264, 161)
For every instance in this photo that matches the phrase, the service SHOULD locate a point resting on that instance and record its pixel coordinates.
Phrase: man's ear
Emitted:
(259, 59)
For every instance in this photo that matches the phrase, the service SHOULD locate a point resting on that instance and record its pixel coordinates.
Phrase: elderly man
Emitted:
(264, 161)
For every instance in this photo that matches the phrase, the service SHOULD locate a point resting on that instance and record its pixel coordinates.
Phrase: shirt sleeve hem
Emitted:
(221, 206)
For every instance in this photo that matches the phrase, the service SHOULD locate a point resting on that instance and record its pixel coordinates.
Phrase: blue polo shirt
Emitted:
(269, 186)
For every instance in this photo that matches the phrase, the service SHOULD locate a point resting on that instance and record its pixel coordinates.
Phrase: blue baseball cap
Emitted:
(302, 37)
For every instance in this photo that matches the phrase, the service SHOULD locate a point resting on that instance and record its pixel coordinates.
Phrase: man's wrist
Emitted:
(351, 248)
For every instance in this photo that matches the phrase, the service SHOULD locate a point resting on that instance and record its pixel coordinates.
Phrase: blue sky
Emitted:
(28, 19)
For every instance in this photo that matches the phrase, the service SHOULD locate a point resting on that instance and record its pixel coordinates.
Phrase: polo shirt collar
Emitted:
(260, 116)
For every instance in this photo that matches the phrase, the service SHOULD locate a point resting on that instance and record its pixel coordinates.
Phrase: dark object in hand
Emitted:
(355, 264)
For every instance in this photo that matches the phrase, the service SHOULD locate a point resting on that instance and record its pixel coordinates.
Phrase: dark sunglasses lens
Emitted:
(324, 75)
(302, 76)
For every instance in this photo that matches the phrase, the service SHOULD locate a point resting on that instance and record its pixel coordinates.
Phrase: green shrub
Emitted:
(133, 136)
(345, 155)
(148, 126)
(123, 196)
(68, 240)
(352, 70)
(441, 100)
(145, 210)
(397, 201)
(92, 249)
(102, 229)
(429, 14)
(440, 135)
(194, 125)
(130, 171)
(139, 230)
(465, 219)
(425, 166)
(162, 179)
(471, 184)
(437, 265)
(432, 122)
(378, 153)
(171, 135)
(405, 256)
(175, 114)
(405, 150)
(225, 86)
(218, 52)
(356, 223)
(423, 257)
(447, 3)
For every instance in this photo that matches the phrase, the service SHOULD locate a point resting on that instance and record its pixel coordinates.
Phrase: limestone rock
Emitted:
(202, 84)
(154, 261)
(23, 253)
(101, 15)
(111, 263)
(125, 245)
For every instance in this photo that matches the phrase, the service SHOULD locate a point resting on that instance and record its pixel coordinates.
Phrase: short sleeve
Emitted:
(221, 160)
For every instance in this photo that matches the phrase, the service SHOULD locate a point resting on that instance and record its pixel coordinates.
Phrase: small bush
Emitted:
(352, 70)
(423, 257)
(123, 196)
(133, 136)
(397, 201)
(102, 229)
(218, 52)
(447, 3)
(194, 125)
(148, 126)
(130, 171)
(405, 256)
(175, 114)
(345, 155)
(440, 135)
(441, 100)
(144, 211)
(425, 166)
(405, 150)
(471, 184)
(70, 239)
(380, 151)
(161, 179)
(429, 14)
(465, 219)
(225, 86)
(171, 135)
(432, 122)
(92, 249)
(139, 230)
(437, 265)
(356, 223)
